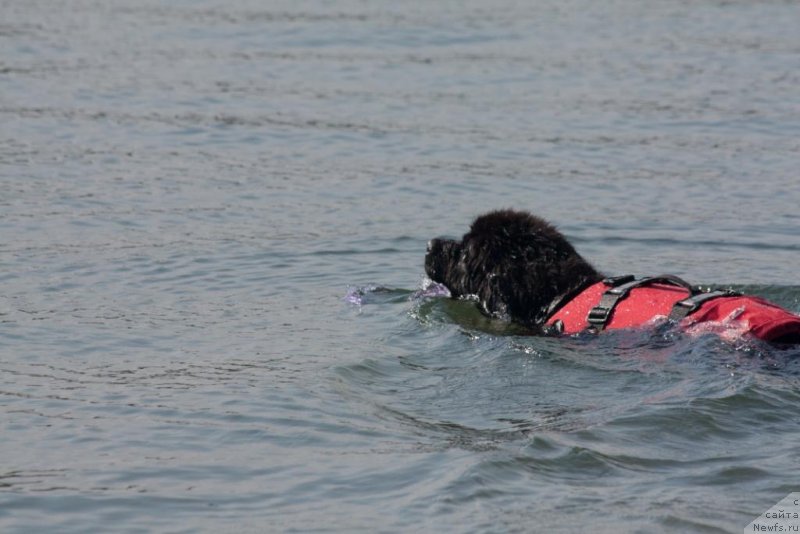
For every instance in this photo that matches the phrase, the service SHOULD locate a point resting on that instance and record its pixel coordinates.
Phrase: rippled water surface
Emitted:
(190, 190)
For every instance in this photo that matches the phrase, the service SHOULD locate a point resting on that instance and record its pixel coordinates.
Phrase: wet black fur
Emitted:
(514, 263)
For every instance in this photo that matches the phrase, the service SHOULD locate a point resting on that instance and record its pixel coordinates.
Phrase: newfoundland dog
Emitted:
(518, 267)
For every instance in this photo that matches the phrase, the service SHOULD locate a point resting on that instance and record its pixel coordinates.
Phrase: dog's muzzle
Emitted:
(438, 257)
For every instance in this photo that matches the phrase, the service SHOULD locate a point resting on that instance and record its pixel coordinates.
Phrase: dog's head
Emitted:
(514, 263)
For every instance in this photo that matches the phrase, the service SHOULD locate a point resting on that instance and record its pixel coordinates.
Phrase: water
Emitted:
(190, 190)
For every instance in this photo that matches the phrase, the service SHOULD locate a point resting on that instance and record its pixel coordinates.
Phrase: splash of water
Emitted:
(360, 295)
(429, 288)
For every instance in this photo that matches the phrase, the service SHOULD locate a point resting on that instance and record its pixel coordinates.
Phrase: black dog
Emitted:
(515, 263)
(520, 268)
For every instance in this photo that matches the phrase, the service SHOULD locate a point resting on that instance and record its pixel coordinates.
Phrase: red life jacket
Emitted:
(626, 303)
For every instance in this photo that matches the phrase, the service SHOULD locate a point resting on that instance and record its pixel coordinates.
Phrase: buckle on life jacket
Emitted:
(599, 315)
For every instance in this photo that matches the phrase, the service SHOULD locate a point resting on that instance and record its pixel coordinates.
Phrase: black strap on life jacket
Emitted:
(684, 307)
(621, 286)
(562, 299)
